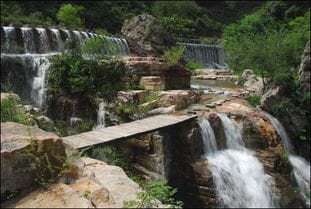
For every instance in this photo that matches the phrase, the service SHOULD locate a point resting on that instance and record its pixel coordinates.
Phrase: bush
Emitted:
(174, 55)
(10, 112)
(153, 191)
(177, 25)
(68, 16)
(254, 100)
(193, 65)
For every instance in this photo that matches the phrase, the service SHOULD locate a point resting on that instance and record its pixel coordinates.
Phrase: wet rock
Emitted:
(16, 166)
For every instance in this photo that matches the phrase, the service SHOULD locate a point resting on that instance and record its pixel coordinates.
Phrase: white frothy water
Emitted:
(208, 136)
(240, 180)
(232, 132)
(301, 168)
(239, 176)
(100, 115)
(58, 39)
(41, 64)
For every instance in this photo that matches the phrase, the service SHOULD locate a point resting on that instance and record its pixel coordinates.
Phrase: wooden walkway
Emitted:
(125, 130)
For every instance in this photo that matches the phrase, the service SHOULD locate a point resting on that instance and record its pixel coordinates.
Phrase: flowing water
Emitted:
(301, 168)
(29, 49)
(100, 115)
(209, 55)
(208, 136)
(239, 177)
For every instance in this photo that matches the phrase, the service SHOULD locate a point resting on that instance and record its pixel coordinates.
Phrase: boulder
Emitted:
(250, 82)
(271, 96)
(180, 98)
(304, 72)
(99, 186)
(146, 36)
(19, 145)
(45, 122)
(9, 95)
(131, 97)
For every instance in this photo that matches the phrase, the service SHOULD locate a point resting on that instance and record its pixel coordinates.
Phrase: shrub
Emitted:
(153, 191)
(174, 55)
(193, 65)
(11, 112)
(254, 100)
(178, 25)
(68, 16)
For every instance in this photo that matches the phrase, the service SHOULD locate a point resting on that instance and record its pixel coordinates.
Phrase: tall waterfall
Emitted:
(301, 168)
(211, 56)
(29, 50)
(239, 176)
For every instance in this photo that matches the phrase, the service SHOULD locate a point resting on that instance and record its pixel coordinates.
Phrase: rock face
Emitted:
(17, 141)
(251, 82)
(155, 74)
(99, 186)
(304, 70)
(271, 96)
(146, 36)
(180, 98)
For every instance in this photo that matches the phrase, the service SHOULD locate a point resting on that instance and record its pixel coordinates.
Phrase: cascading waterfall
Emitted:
(100, 115)
(208, 136)
(301, 168)
(239, 176)
(210, 56)
(32, 47)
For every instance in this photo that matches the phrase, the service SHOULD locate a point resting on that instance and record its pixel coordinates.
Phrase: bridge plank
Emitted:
(125, 130)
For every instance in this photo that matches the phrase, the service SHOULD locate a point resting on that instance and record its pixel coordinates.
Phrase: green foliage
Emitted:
(126, 111)
(108, 154)
(153, 191)
(178, 25)
(193, 65)
(69, 16)
(268, 47)
(11, 112)
(71, 74)
(7, 86)
(254, 100)
(174, 55)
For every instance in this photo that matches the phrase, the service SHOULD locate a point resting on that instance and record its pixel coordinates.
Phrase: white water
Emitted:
(44, 40)
(301, 168)
(58, 39)
(238, 175)
(41, 64)
(208, 136)
(29, 41)
(232, 132)
(100, 115)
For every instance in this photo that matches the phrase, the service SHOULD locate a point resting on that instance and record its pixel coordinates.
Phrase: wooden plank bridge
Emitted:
(125, 130)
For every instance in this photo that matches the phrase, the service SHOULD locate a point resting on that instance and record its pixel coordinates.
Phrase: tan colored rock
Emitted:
(131, 97)
(153, 83)
(9, 95)
(16, 139)
(180, 98)
(56, 196)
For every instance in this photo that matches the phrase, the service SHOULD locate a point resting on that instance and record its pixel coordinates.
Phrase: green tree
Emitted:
(69, 16)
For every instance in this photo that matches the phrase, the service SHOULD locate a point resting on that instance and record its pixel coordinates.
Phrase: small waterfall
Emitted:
(29, 40)
(208, 136)
(239, 176)
(100, 115)
(301, 168)
(10, 39)
(44, 44)
(210, 56)
(232, 132)
(41, 65)
(78, 36)
(58, 39)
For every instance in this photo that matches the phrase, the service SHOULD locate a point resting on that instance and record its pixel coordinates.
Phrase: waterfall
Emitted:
(32, 47)
(232, 132)
(301, 168)
(239, 177)
(100, 115)
(210, 56)
(40, 65)
(208, 136)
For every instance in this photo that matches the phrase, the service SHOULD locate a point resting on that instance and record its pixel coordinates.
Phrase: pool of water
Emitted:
(205, 84)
